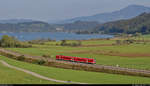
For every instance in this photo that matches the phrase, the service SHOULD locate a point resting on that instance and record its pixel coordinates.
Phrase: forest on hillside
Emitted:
(140, 24)
(35, 26)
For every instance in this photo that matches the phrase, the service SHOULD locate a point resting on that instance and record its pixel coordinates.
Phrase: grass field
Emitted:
(131, 56)
(64, 74)
(11, 76)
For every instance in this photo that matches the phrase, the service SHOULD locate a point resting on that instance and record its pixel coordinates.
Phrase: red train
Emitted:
(75, 59)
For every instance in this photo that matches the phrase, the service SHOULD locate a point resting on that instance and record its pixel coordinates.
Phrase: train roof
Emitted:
(76, 57)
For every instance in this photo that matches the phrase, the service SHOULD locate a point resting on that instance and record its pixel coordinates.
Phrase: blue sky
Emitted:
(60, 9)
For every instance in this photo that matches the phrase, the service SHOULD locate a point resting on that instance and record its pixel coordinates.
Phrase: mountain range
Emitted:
(15, 21)
(125, 13)
(132, 19)
(34, 26)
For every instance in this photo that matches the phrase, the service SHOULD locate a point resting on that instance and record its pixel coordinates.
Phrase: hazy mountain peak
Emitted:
(136, 6)
(125, 13)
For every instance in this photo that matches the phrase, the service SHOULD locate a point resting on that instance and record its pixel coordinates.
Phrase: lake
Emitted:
(24, 36)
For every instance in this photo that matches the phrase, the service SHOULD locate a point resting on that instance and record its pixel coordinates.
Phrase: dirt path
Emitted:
(37, 75)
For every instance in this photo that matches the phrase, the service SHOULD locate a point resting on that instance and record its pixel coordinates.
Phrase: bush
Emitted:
(57, 44)
(40, 62)
(21, 58)
(74, 44)
(9, 55)
(8, 41)
(118, 42)
(47, 56)
(63, 43)
(107, 38)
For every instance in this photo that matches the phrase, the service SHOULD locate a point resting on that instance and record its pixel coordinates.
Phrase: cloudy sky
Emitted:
(60, 9)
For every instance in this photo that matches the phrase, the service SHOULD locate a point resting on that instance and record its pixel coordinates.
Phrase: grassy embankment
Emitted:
(131, 56)
(13, 76)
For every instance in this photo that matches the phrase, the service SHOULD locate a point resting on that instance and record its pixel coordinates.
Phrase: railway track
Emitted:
(98, 68)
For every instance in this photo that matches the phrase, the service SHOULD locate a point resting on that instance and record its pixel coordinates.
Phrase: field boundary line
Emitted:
(37, 75)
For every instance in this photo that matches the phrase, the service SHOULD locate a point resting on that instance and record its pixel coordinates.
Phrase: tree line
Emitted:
(11, 42)
(73, 44)
(140, 24)
(36, 26)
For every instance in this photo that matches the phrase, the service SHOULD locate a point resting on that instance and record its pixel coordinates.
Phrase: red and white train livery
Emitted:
(76, 59)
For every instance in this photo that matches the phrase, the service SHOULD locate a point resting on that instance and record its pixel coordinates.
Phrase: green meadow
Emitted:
(135, 55)
(13, 76)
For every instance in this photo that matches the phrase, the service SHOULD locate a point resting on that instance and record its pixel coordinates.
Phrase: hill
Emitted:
(78, 26)
(139, 24)
(15, 21)
(34, 26)
(125, 13)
